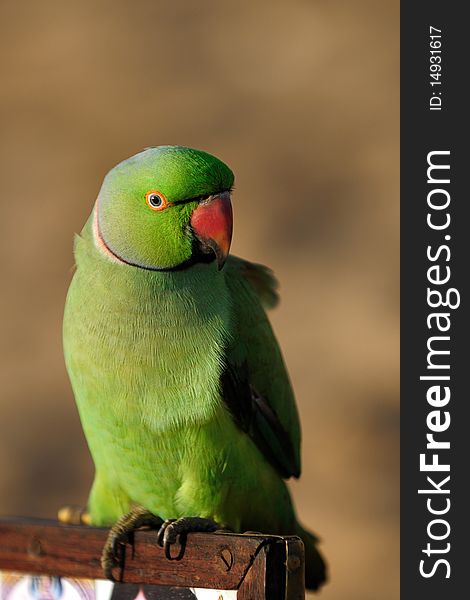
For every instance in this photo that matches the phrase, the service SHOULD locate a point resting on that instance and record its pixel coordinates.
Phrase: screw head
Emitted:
(35, 548)
(293, 562)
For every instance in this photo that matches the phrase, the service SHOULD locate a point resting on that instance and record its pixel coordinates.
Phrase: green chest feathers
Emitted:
(142, 346)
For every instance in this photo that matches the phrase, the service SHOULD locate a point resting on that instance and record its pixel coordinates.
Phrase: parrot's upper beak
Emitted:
(212, 223)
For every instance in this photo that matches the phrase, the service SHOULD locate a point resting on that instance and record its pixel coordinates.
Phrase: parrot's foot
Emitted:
(172, 529)
(73, 515)
(122, 532)
(169, 532)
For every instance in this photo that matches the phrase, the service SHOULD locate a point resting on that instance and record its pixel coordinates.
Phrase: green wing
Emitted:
(255, 384)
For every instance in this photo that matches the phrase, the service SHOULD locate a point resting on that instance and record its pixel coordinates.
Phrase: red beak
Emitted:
(212, 224)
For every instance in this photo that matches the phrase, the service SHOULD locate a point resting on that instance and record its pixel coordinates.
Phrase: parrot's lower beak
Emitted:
(212, 223)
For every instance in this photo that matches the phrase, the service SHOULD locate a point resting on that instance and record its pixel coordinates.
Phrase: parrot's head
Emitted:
(165, 208)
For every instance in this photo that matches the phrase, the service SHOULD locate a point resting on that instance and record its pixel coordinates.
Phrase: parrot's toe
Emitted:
(122, 533)
(162, 530)
(73, 515)
(172, 529)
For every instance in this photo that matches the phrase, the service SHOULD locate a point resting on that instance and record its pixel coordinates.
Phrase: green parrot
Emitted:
(181, 388)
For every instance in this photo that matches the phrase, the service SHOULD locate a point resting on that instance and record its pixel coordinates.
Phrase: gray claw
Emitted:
(122, 533)
(172, 529)
(170, 536)
(161, 535)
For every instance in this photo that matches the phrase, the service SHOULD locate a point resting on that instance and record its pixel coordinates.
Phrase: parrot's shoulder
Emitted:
(259, 277)
(83, 243)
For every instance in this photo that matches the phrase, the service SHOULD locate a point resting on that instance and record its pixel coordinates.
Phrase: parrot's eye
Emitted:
(156, 200)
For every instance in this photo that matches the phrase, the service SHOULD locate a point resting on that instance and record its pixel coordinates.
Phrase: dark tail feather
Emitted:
(315, 567)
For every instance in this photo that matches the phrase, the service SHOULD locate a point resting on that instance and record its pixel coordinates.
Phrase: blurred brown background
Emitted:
(300, 98)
